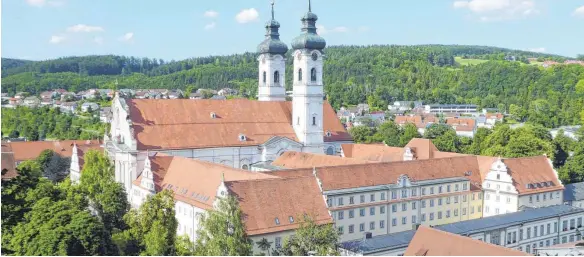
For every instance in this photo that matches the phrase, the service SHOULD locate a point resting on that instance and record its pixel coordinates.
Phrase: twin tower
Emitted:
(307, 98)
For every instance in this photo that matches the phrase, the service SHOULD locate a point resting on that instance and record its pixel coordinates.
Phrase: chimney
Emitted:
(368, 235)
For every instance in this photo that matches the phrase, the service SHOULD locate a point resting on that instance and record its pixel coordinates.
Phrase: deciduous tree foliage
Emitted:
(54, 166)
(222, 231)
(311, 238)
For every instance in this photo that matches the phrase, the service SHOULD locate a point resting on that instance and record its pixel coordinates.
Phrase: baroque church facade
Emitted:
(237, 133)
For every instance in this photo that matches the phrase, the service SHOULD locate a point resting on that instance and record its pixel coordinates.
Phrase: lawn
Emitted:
(466, 62)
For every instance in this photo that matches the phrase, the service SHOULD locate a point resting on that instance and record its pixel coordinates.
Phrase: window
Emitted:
(431, 202)
(404, 220)
(464, 198)
(541, 230)
(537, 198)
(471, 209)
(383, 196)
(479, 209)
(487, 209)
(362, 227)
(340, 230)
(351, 229)
(382, 224)
(551, 196)
(394, 208)
(298, 121)
(423, 217)
(480, 195)
(264, 77)
(531, 199)
(404, 207)
(448, 214)
(313, 75)
(414, 219)
(544, 197)
(548, 230)
(299, 74)
(455, 212)
(404, 193)
(547, 242)
(448, 200)
(423, 203)
(413, 205)
(508, 199)
(329, 202)
(393, 195)
(439, 215)
(372, 197)
(564, 225)
(555, 241)
(564, 240)
(341, 215)
(381, 209)
(555, 227)
(351, 200)
(393, 222)
(496, 210)
(372, 225)
(351, 214)
(488, 185)
(520, 234)
(278, 242)
(414, 192)
(276, 77)
(456, 199)
(528, 234)
(456, 187)
(372, 211)
(439, 201)
(473, 196)
(463, 211)
(423, 191)
(362, 212)
(448, 188)
(509, 238)
(362, 198)
(541, 244)
(464, 186)
(432, 190)
(431, 216)
(487, 196)
(580, 222)
(572, 224)
(440, 189)
(527, 249)
(498, 187)
(313, 121)
(535, 231)
(340, 201)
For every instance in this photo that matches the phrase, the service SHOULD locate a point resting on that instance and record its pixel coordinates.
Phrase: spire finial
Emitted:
(309, 6)
(222, 176)
(272, 9)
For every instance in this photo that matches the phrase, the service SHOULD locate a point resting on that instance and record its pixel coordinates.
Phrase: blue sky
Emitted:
(179, 29)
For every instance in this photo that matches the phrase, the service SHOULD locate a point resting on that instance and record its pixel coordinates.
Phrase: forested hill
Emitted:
(377, 74)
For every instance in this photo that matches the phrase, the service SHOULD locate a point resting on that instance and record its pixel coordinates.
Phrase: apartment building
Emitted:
(523, 230)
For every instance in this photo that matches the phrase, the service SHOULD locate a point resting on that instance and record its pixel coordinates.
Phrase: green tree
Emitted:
(264, 245)
(54, 166)
(563, 145)
(435, 130)
(184, 246)
(573, 169)
(447, 142)
(312, 239)
(410, 131)
(479, 137)
(389, 133)
(152, 228)
(222, 231)
(361, 134)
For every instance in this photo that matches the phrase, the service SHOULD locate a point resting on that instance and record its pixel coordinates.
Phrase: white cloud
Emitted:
(128, 37)
(496, 10)
(363, 29)
(579, 11)
(537, 49)
(210, 26)
(247, 15)
(321, 30)
(84, 28)
(41, 3)
(98, 40)
(340, 29)
(56, 39)
(211, 14)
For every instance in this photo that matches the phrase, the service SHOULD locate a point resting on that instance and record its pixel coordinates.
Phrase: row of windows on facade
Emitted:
(340, 215)
(543, 230)
(404, 194)
(404, 220)
(277, 76)
(544, 196)
(529, 248)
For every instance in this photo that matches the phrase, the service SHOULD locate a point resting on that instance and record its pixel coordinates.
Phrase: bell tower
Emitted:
(272, 64)
(307, 103)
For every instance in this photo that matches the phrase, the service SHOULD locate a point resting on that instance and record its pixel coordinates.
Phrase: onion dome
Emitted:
(272, 44)
(309, 39)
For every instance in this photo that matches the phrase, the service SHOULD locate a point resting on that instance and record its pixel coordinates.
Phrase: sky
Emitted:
(179, 29)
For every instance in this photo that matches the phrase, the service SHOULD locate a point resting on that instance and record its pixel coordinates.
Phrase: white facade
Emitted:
(271, 76)
(307, 103)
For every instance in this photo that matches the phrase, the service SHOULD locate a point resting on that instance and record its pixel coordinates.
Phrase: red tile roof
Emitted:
(29, 150)
(258, 121)
(286, 199)
(8, 163)
(432, 242)
(373, 152)
(461, 124)
(295, 160)
(529, 170)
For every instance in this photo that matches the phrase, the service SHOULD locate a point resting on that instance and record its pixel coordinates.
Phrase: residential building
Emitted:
(463, 126)
(32, 101)
(416, 149)
(68, 107)
(569, 131)
(432, 242)
(89, 106)
(421, 121)
(30, 150)
(105, 114)
(574, 194)
(450, 108)
(404, 105)
(567, 249)
(523, 230)
(377, 116)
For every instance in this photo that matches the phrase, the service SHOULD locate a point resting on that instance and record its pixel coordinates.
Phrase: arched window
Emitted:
(264, 77)
(245, 167)
(313, 121)
(299, 74)
(276, 77)
(313, 75)
(330, 151)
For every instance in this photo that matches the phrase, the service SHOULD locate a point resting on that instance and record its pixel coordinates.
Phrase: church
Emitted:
(237, 133)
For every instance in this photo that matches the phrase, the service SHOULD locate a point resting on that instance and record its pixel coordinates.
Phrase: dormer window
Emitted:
(468, 173)
(213, 115)
(277, 221)
(328, 134)
(291, 219)
(242, 137)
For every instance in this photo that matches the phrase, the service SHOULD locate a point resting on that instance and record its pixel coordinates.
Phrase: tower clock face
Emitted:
(314, 56)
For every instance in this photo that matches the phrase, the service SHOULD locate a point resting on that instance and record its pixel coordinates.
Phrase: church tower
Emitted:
(272, 64)
(307, 103)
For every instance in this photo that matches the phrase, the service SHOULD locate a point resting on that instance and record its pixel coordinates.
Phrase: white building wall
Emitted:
(269, 90)
(274, 238)
(541, 199)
